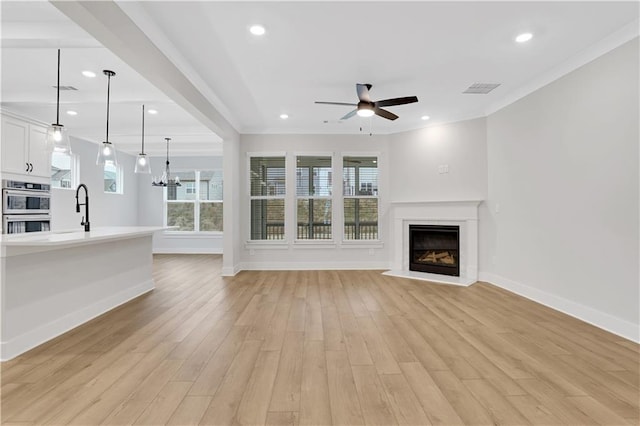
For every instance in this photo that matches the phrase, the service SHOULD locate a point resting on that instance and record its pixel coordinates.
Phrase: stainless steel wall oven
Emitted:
(25, 207)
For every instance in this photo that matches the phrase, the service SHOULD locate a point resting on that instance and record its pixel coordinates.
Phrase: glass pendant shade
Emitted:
(106, 154)
(58, 139)
(106, 151)
(143, 165)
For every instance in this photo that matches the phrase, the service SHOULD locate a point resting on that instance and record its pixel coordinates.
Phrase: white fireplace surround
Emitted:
(462, 213)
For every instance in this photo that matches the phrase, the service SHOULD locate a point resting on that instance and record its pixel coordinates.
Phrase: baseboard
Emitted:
(230, 271)
(311, 266)
(600, 319)
(186, 250)
(29, 340)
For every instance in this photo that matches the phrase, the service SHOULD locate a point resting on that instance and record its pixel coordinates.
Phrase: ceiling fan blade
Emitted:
(397, 101)
(336, 103)
(349, 115)
(384, 113)
(363, 92)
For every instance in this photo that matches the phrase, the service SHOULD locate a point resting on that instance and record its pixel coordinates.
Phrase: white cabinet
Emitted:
(39, 156)
(24, 149)
(15, 146)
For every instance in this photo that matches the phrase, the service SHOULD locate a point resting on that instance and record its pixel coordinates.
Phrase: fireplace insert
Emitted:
(434, 249)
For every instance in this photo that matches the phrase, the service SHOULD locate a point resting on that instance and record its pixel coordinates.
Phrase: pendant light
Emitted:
(142, 162)
(57, 138)
(165, 179)
(107, 152)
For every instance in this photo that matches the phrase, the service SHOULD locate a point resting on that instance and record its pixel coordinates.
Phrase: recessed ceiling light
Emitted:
(425, 117)
(89, 74)
(284, 116)
(524, 37)
(152, 111)
(257, 30)
(70, 112)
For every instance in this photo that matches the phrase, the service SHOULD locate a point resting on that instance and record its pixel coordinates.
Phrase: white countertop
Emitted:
(77, 237)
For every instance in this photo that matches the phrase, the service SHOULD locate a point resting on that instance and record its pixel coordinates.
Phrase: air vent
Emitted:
(65, 87)
(481, 88)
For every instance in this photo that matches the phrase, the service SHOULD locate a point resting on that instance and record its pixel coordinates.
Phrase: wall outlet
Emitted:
(371, 252)
(252, 252)
(497, 207)
(443, 168)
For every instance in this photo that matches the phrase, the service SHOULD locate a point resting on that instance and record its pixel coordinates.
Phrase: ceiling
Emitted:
(311, 51)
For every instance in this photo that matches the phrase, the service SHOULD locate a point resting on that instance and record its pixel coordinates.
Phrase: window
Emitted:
(64, 168)
(210, 201)
(112, 178)
(360, 185)
(267, 191)
(313, 197)
(194, 210)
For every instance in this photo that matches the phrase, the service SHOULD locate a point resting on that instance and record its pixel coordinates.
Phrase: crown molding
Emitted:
(607, 44)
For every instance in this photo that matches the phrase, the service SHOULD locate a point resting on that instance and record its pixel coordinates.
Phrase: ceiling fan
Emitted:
(366, 107)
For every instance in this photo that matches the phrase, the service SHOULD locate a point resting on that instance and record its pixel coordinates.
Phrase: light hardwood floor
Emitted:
(323, 347)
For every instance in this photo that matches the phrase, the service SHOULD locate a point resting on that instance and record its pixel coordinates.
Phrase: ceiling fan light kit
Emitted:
(367, 108)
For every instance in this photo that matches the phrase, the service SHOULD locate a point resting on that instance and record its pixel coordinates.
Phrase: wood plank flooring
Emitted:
(319, 348)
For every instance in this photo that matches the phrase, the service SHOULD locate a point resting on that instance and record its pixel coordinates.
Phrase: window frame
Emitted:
(195, 204)
(360, 242)
(331, 198)
(74, 174)
(119, 180)
(284, 197)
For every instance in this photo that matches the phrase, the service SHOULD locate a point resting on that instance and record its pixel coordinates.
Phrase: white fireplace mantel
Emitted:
(462, 213)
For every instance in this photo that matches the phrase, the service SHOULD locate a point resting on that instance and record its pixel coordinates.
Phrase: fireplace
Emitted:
(434, 249)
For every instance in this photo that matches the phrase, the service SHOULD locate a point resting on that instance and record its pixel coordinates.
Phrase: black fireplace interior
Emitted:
(434, 249)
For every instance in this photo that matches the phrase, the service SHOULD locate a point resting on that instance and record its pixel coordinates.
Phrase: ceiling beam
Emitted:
(113, 28)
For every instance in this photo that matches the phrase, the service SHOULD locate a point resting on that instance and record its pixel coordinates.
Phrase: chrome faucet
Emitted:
(86, 206)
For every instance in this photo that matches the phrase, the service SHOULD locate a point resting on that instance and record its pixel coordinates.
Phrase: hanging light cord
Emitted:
(108, 91)
(167, 168)
(58, 98)
(142, 130)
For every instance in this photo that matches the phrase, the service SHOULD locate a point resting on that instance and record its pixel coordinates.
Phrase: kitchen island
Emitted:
(52, 282)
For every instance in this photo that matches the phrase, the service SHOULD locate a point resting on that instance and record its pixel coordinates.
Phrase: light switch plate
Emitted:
(443, 168)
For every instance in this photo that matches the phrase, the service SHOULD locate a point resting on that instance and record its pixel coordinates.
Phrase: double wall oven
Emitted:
(25, 207)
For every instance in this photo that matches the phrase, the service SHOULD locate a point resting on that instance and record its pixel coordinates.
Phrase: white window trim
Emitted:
(262, 244)
(337, 198)
(119, 181)
(74, 164)
(317, 242)
(363, 243)
(196, 211)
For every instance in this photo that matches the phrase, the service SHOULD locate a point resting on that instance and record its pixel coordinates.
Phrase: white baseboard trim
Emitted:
(311, 266)
(29, 340)
(230, 271)
(600, 319)
(186, 250)
(434, 278)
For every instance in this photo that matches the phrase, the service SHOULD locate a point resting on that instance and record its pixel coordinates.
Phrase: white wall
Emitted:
(150, 207)
(416, 155)
(563, 173)
(301, 256)
(105, 209)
